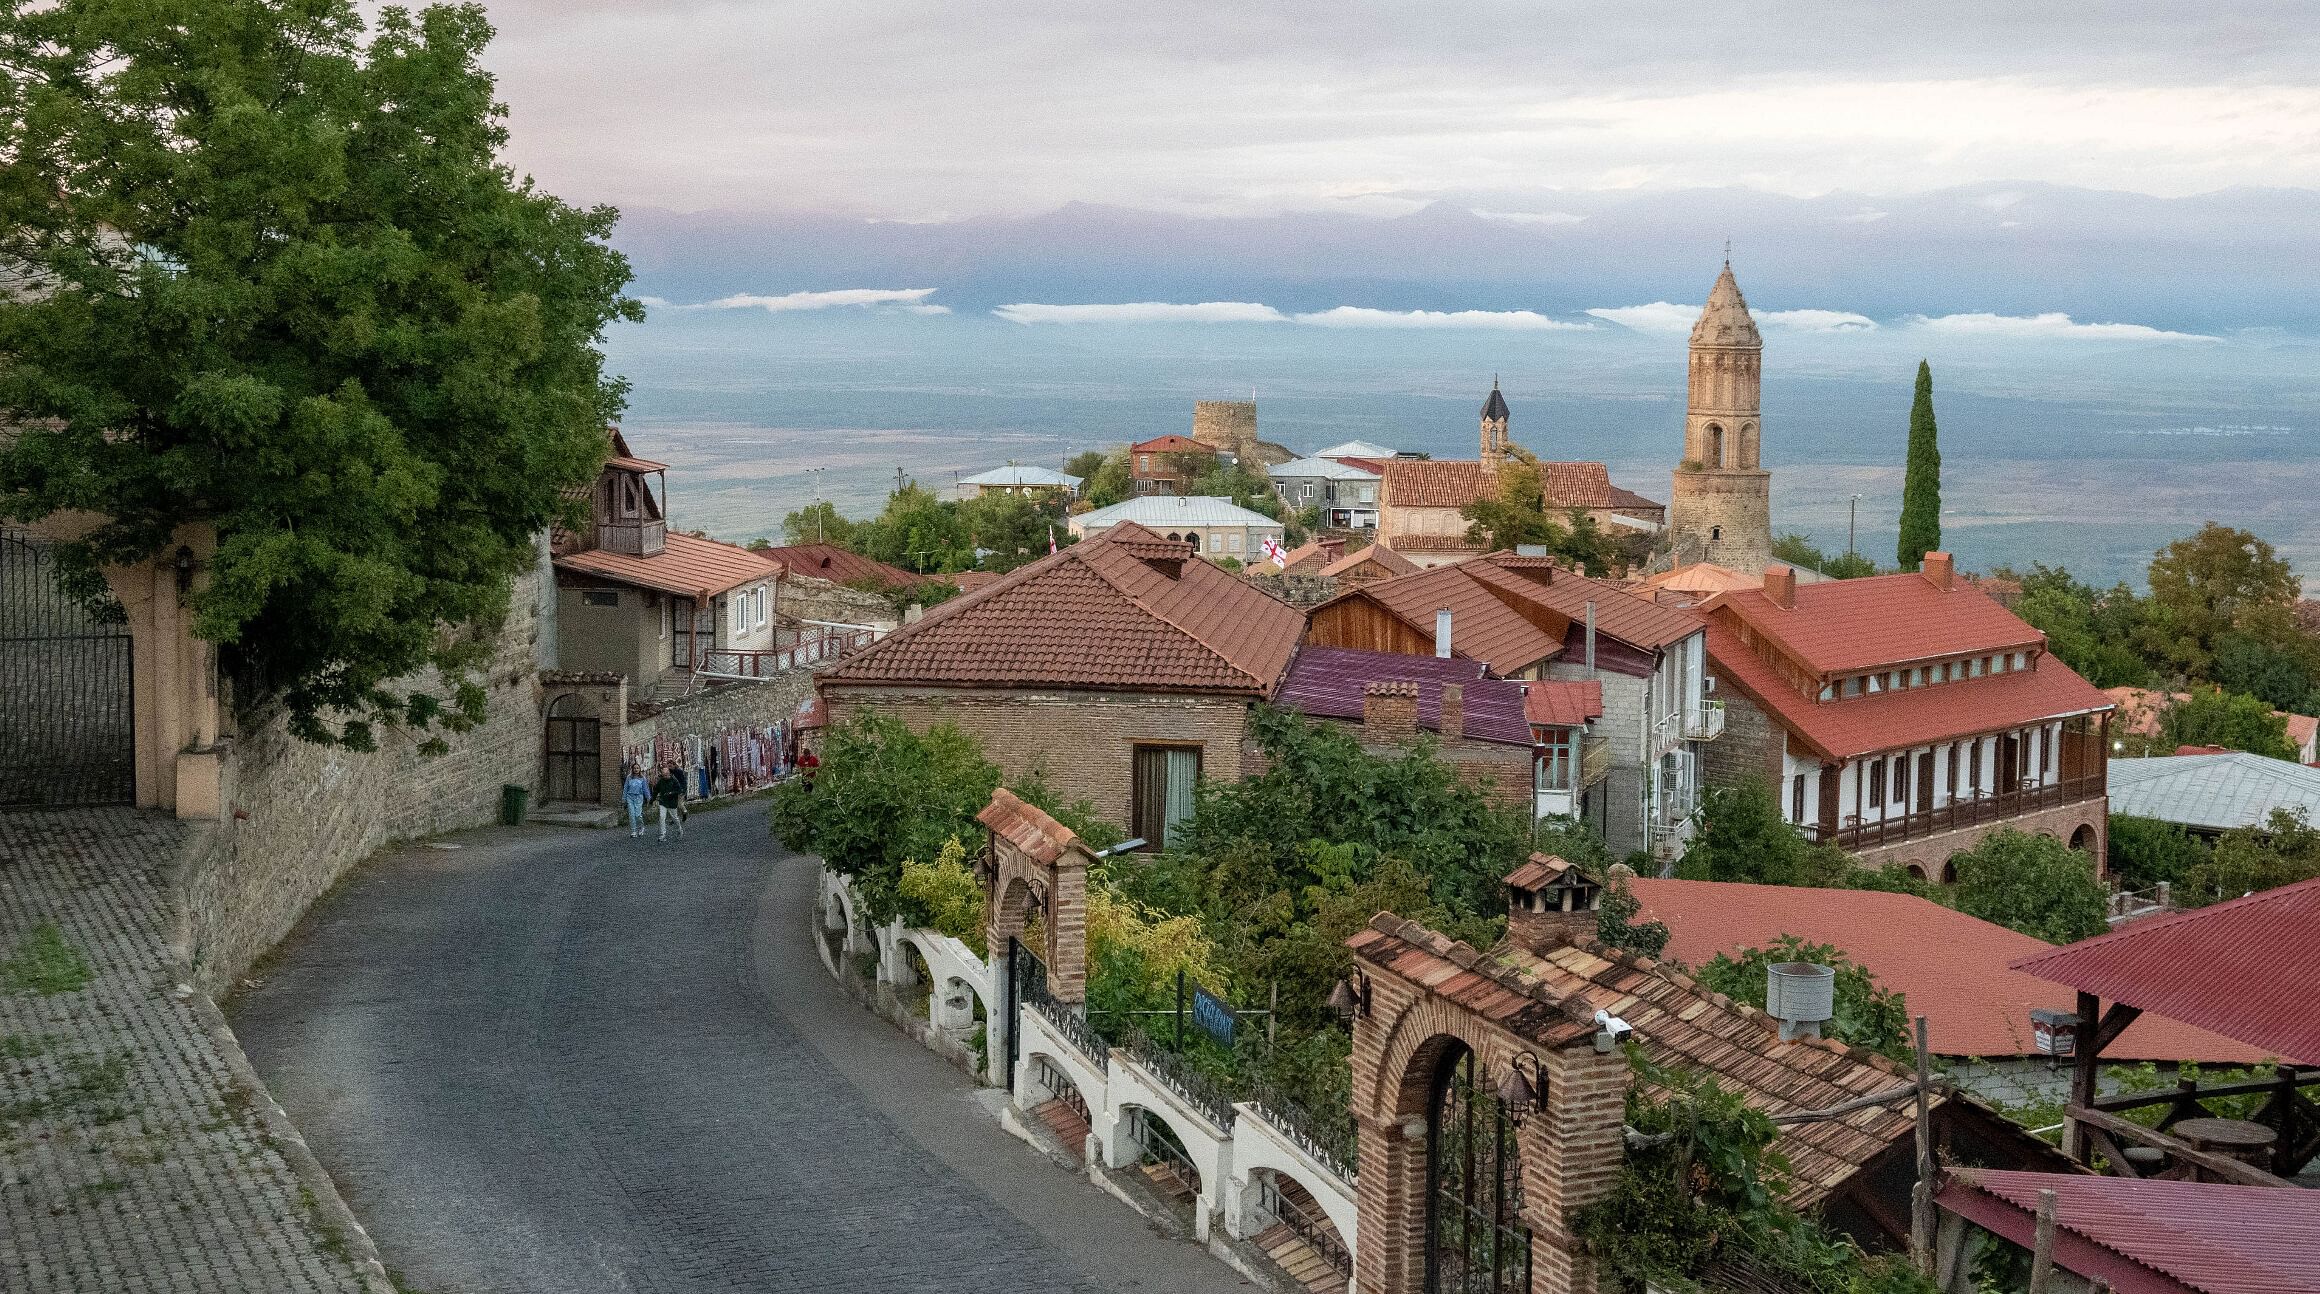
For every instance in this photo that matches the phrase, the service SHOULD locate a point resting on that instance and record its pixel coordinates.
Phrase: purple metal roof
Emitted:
(1327, 683)
(2206, 1236)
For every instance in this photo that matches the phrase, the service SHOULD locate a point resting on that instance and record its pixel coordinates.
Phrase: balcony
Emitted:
(1705, 722)
(1992, 806)
(635, 538)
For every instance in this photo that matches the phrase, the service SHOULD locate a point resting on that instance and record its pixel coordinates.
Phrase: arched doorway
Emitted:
(1475, 1238)
(67, 712)
(2082, 839)
(575, 751)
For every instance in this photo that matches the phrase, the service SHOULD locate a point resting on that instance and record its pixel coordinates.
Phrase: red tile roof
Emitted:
(1513, 612)
(1393, 562)
(1330, 682)
(1125, 610)
(687, 566)
(2245, 969)
(830, 562)
(1579, 485)
(1026, 826)
(2155, 1237)
(1432, 482)
(1840, 730)
(1310, 557)
(1847, 626)
(1170, 444)
(1551, 999)
(1622, 497)
(1951, 967)
(1563, 705)
(1433, 544)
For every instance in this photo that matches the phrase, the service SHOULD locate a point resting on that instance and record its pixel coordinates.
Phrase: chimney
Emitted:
(1549, 902)
(1389, 712)
(1453, 720)
(1801, 996)
(1939, 569)
(1590, 635)
(1780, 586)
(1442, 633)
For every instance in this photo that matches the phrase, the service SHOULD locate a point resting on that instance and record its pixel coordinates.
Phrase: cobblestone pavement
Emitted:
(129, 1157)
(569, 1061)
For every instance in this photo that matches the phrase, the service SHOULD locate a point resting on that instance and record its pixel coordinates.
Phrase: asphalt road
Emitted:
(567, 1062)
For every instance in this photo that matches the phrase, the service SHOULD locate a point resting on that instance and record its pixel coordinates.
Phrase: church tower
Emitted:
(1494, 429)
(1721, 505)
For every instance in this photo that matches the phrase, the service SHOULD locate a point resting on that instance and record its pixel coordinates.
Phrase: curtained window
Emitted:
(1164, 777)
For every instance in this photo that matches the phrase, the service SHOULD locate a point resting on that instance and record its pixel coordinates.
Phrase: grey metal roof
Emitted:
(1016, 475)
(2213, 792)
(1163, 512)
(1355, 449)
(1321, 468)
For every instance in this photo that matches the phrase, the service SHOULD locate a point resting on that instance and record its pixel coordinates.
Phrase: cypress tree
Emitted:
(1921, 489)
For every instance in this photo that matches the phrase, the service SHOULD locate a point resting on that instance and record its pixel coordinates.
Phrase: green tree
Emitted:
(1517, 516)
(2284, 850)
(917, 532)
(2202, 586)
(1209, 476)
(1616, 926)
(1742, 837)
(885, 796)
(1867, 1014)
(2034, 884)
(2146, 851)
(819, 522)
(1011, 529)
(1106, 481)
(1921, 487)
(2210, 717)
(2093, 631)
(2269, 656)
(1798, 550)
(281, 283)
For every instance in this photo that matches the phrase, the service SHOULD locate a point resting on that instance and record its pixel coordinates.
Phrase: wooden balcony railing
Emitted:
(1991, 806)
(809, 650)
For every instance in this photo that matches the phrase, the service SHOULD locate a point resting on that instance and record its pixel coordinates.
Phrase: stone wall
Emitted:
(1229, 425)
(1722, 517)
(1296, 590)
(1930, 854)
(1082, 743)
(1751, 748)
(723, 707)
(805, 597)
(299, 815)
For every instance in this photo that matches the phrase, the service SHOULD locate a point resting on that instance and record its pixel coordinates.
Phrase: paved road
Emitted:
(568, 1062)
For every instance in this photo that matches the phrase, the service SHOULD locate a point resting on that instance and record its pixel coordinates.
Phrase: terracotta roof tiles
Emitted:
(1432, 482)
(1573, 704)
(840, 566)
(687, 566)
(1393, 562)
(1026, 826)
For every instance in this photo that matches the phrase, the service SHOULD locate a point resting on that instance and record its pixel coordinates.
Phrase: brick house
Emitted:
(1477, 722)
(1904, 717)
(1528, 618)
(1345, 493)
(1121, 669)
(1167, 464)
(635, 600)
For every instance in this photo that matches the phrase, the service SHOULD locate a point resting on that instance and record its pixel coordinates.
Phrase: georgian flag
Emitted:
(1278, 555)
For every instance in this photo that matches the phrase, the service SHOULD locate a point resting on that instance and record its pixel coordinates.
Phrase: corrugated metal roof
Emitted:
(1323, 468)
(1172, 512)
(2213, 792)
(2246, 969)
(1951, 967)
(1014, 474)
(1329, 681)
(1354, 449)
(1572, 704)
(2219, 1239)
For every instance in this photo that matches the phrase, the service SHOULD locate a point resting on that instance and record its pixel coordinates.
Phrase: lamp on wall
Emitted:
(1351, 997)
(184, 565)
(1521, 1093)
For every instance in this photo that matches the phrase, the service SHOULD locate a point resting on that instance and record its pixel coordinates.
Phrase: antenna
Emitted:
(1727, 253)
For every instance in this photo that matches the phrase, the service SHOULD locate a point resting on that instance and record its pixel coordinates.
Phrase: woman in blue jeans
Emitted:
(635, 791)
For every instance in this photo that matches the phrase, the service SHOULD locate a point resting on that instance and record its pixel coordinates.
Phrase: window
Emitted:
(1876, 783)
(1233, 541)
(761, 606)
(1163, 777)
(2021, 660)
(599, 598)
(1853, 686)
(1305, 491)
(1974, 764)
(1796, 800)
(1998, 664)
(1143, 462)
(1901, 780)
(1876, 684)
(1949, 770)
(740, 612)
(1555, 760)
(1828, 692)
(1975, 666)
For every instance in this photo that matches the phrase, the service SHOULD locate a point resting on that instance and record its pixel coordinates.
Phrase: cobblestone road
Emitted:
(129, 1157)
(567, 1061)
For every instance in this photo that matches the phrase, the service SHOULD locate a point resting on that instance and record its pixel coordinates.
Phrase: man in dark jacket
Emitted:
(669, 792)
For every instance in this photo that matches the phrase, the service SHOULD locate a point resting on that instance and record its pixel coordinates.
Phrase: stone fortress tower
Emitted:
(1721, 506)
(1494, 440)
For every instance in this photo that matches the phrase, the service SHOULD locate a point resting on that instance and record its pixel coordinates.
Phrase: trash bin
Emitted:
(513, 801)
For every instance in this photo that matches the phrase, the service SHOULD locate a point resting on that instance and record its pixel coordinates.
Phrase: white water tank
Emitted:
(1801, 995)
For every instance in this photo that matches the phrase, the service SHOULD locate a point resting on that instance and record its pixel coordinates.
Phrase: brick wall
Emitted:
(1751, 747)
(1931, 853)
(1082, 743)
(300, 815)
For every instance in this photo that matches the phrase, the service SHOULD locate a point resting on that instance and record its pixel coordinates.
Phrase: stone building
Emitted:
(1905, 717)
(1230, 427)
(1121, 669)
(1720, 508)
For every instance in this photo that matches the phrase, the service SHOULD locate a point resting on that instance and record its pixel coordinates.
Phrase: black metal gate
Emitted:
(575, 757)
(1476, 1242)
(67, 711)
(1026, 979)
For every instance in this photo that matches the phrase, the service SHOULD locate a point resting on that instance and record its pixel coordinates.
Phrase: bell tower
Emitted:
(1720, 507)
(1494, 439)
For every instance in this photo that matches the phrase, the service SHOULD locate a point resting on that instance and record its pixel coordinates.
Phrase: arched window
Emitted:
(1715, 446)
(1748, 446)
(1715, 534)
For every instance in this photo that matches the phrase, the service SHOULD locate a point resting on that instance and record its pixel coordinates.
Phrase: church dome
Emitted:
(1725, 321)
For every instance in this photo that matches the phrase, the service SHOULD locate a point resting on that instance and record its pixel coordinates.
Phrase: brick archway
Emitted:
(1034, 862)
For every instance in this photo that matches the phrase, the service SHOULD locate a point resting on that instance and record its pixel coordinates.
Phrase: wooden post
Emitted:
(2042, 1248)
(2085, 1055)
(1921, 1219)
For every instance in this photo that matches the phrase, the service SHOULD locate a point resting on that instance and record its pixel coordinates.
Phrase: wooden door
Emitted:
(1925, 782)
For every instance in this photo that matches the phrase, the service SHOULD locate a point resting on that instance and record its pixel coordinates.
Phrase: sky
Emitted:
(911, 111)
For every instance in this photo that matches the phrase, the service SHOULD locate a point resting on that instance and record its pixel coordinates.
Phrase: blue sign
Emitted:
(1211, 1016)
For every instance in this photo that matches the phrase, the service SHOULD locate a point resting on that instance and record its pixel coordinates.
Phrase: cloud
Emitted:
(789, 301)
(1816, 320)
(1659, 316)
(1363, 317)
(1531, 217)
(927, 309)
(2053, 324)
(1142, 312)
(653, 303)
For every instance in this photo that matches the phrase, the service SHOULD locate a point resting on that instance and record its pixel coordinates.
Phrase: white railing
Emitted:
(1706, 722)
(810, 649)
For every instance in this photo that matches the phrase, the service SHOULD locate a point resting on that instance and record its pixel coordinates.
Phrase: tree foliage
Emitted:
(1104, 478)
(1742, 837)
(2094, 631)
(1921, 486)
(2034, 884)
(2145, 851)
(1517, 516)
(885, 796)
(1867, 1014)
(1616, 925)
(2209, 717)
(2203, 585)
(2285, 849)
(270, 274)
(1798, 550)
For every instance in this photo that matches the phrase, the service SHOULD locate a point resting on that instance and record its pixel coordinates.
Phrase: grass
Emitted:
(44, 963)
(95, 1090)
(26, 1046)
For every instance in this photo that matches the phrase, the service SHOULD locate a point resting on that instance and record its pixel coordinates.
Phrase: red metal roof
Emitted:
(1920, 716)
(1951, 967)
(2246, 969)
(1847, 626)
(1330, 682)
(687, 566)
(2149, 1237)
(1563, 704)
(840, 566)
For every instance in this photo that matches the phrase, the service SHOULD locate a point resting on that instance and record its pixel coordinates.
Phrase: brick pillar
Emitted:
(1067, 926)
(1453, 725)
(1389, 712)
(1390, 1209)
(1571, 1153)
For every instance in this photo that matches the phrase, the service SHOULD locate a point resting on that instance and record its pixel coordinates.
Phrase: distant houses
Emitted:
(1020, 479)
(1214, 527)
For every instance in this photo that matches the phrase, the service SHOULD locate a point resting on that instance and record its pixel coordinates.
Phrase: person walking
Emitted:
(670, 791)
(634, 792)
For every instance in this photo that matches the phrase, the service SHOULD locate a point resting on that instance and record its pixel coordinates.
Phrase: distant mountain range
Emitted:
(2213, 263)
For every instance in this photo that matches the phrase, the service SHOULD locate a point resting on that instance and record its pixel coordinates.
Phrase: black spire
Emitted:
(1494, 408)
